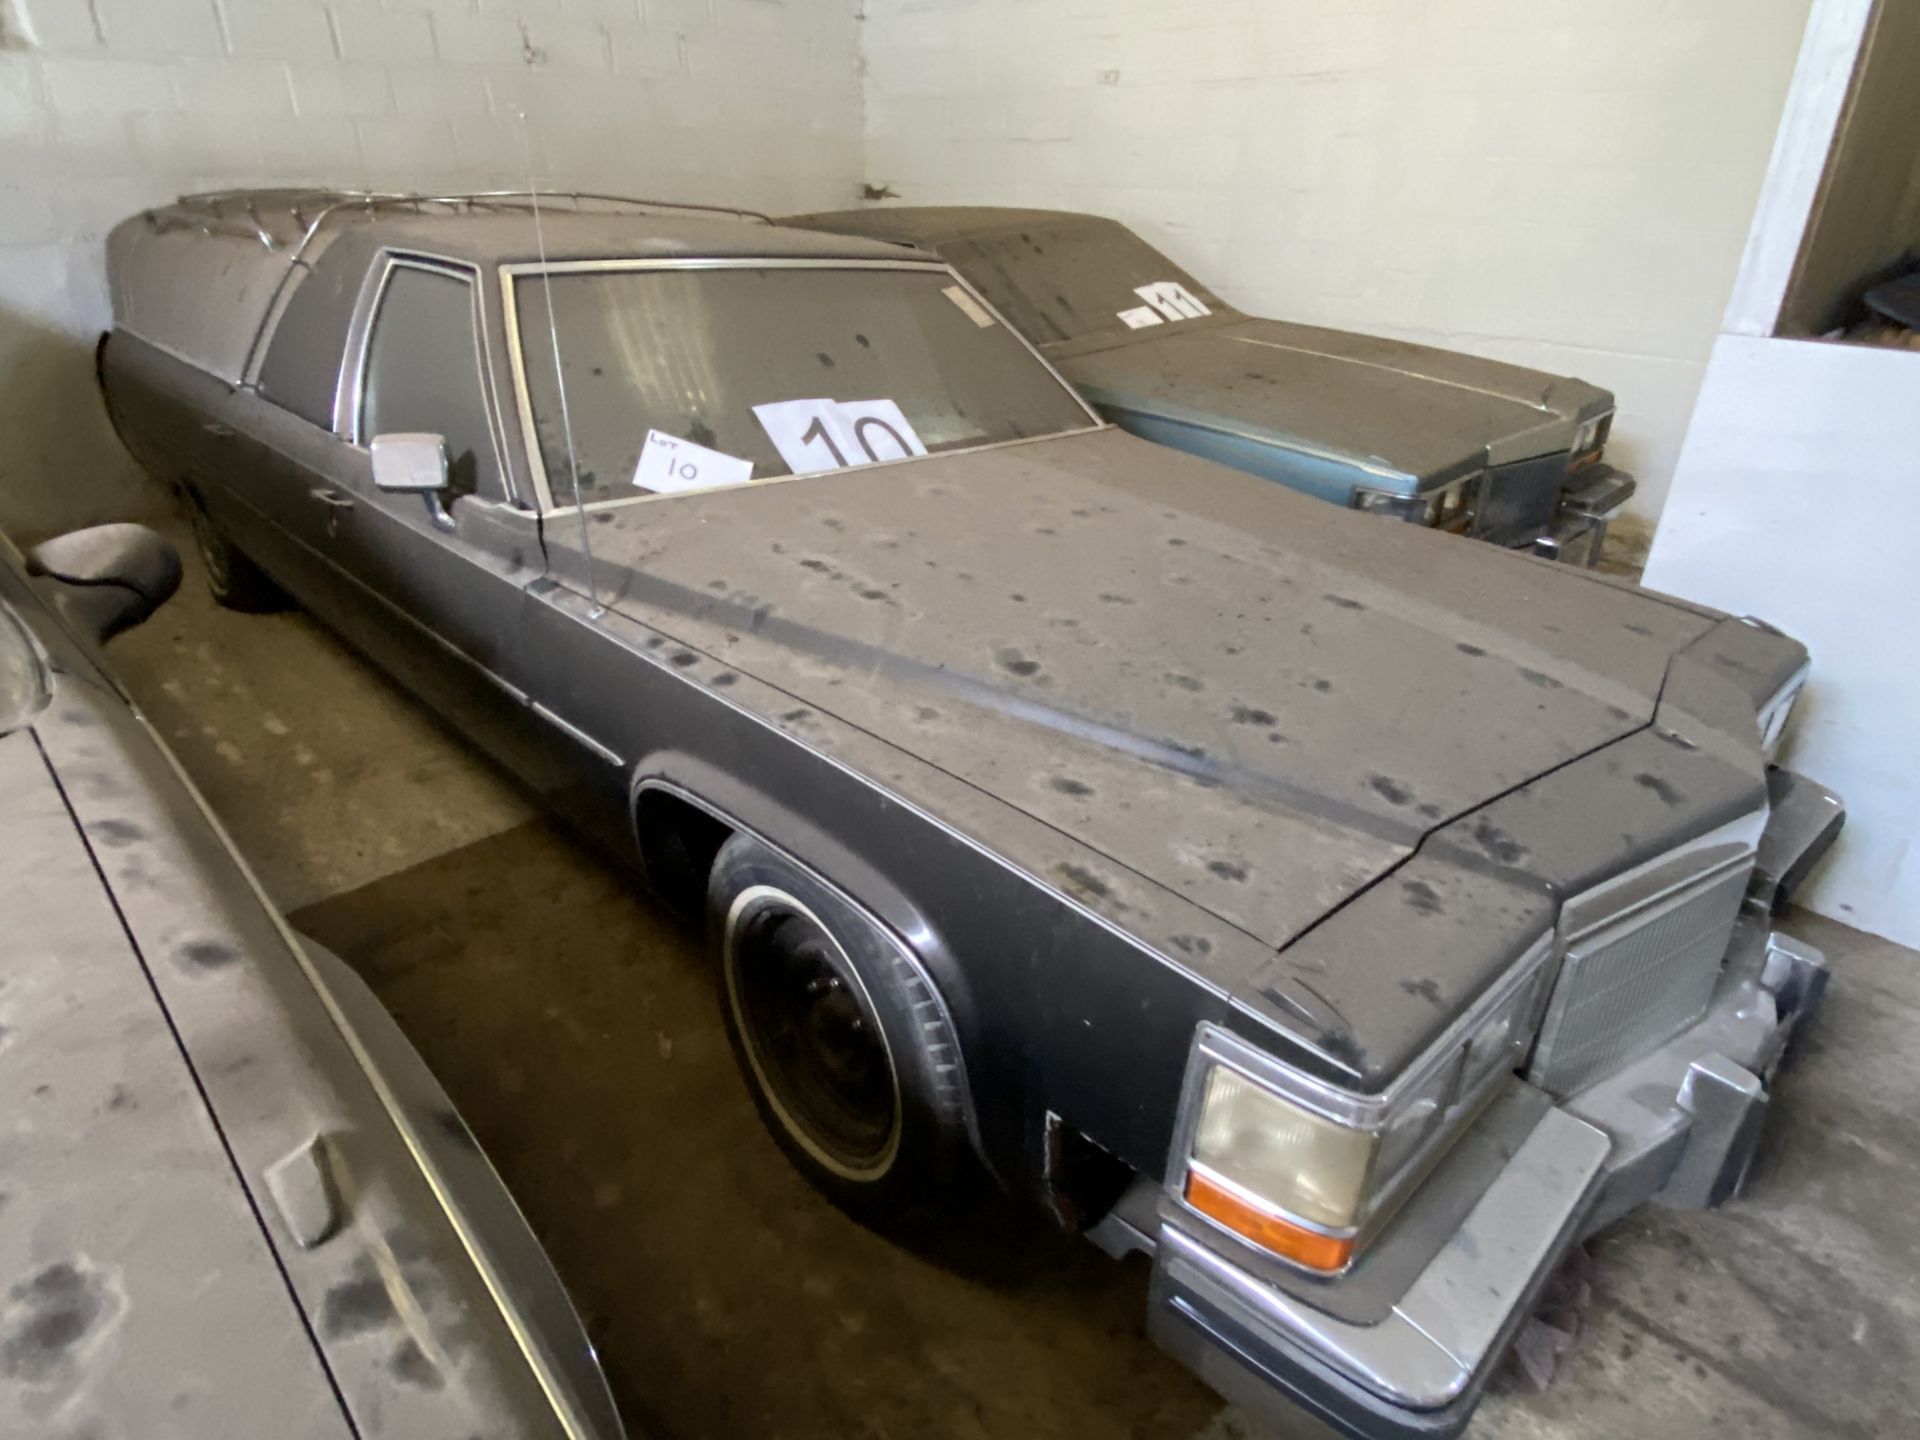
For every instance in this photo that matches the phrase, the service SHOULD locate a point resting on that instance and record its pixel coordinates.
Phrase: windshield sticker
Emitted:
(1139, 317)
(1173, 300)
(669, 465)
(817, 435)
(968, 306)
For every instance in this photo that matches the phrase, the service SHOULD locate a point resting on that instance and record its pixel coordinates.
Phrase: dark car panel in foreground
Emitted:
(1457, 441)
(237, 1202)
(1351, 918)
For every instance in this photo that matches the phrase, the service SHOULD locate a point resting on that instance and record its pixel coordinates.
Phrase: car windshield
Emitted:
(1076, 276)
(682, 378)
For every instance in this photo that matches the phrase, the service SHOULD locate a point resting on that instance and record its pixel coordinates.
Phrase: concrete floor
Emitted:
(575, 1025)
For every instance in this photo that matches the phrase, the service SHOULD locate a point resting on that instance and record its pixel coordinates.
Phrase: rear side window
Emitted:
(301, 369)
(423, 374)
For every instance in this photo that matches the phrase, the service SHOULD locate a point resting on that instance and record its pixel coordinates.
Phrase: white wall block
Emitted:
(1798, 500)
(107, 87)
(161, 27)
(61, 25)
(252, 91)
(376, 37)
(1495, 175)
(327, 89)
(271, 31)
(108, 106)
(682, 17)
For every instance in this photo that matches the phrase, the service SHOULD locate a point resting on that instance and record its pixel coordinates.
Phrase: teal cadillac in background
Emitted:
(1454, 441)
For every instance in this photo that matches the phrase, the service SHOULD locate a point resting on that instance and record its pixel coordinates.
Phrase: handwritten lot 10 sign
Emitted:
(816, 435)
(669, 465)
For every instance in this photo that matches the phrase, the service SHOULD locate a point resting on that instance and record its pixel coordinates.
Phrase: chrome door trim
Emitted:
(350, 394)
(577, 735)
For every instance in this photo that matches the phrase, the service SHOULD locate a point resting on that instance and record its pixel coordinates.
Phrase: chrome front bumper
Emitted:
(1403, 1344)
(1579, 530)
(1417, 1368)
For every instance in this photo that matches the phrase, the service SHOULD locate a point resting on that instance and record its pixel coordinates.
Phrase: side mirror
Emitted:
(406, 464)
(109, 577)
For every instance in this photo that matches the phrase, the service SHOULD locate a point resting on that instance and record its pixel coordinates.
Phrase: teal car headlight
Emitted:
(1778, 710)
(1445, 507)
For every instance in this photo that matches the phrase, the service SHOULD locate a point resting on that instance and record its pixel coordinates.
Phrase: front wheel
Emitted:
(234, 580)
(849, 1053)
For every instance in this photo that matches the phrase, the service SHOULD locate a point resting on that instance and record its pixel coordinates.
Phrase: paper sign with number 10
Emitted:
(669, 465)
(817, 435)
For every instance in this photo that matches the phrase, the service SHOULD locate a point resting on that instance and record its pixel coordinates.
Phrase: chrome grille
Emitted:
(1635, 979)
(1518, 501)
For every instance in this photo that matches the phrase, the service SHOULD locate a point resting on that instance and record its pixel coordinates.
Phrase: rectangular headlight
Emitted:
(1778, 710)
(1303, 1169)
(1439, 507)
(1299, 1162)
(1590, 436)
(1391, 503)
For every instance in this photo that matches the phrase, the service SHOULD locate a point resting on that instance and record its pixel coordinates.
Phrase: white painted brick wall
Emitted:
(1567, 186)
(1562, 185)
(110, 105)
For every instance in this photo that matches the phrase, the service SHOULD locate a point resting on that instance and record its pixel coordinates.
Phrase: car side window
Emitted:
(423, 375)
(301, 369)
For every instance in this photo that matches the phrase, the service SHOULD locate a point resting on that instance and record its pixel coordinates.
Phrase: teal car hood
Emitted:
(1398, 410)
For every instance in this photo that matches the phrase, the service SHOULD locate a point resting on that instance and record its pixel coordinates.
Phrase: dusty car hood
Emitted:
(1249, 697)
(1389, 405)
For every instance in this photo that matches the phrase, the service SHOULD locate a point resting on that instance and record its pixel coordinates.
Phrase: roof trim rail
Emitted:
(278, 218)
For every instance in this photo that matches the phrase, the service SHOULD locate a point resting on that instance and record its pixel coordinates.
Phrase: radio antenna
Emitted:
(559, 375)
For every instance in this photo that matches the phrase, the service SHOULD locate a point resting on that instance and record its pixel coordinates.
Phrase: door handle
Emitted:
(217, 430)
(336, 503)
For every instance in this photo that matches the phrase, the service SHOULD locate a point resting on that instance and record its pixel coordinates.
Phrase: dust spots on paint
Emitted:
(207, 954)
(1427, 990)
(1669, 796)
(50, 1318)
(1497, 844)
(1082, 883)
(1421, 897)
(1390, 790)
(116, 833)
(411, 1366)
(357, 1305)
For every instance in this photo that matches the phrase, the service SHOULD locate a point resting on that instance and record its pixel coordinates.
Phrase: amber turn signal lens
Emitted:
(1285, 1239)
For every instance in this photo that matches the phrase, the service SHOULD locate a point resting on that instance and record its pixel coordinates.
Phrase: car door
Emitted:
(432, 587)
